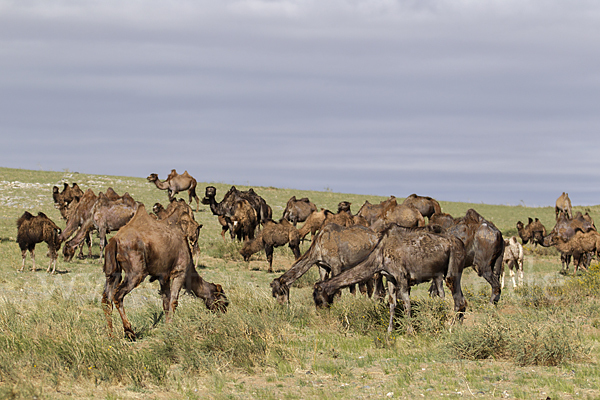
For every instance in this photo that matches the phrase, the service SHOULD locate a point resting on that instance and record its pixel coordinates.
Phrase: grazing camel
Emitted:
(176, 183)
(334, 249)
(149, 247)
(36, 229)
(406, 257)
(371, 212)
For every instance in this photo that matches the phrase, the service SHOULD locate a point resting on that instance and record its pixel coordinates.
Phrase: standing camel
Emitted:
(176, 183)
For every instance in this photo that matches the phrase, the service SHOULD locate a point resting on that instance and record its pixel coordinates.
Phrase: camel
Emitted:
(563, 203)
(485, 247)
(149, 247)
(534, 231)
(579, 245)
(371, 212)
(344, 207)
(69, 194)
(298, 210)
(36, 229)
(244, 221)
(181, 215)
(226, 209)
(513, 258)
(273, 235)
(563, 231)
(401, 214)
(81, 213)
(176, 183)
(312, 224)
(427, 206)
(334, 249)
(442, 219)
(406, 257)
(106, 216)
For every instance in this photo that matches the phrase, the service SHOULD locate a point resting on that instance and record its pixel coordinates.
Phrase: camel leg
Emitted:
(460, 304)
(269, 252)
(23, 255)
(404, 290)
(125, 287)
(392, 300)
(176, 286)
(32, 252)
(495, 284)
(112, 281)
(165, 293)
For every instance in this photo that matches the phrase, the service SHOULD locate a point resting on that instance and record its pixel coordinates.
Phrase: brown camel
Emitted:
(563, 203)
(312, 224)
(562, 232)
(181, 215)
(148, 247)
(81, 213)
(63, 199)
(406, 257)
(32, 230)
(298, 210)
(176, 183)
(106, 216)
(334, 249)
(427, 206)
(400, 214)
(244, 221)
(371, 212)
(273, 235)
(534, 231)
(442, 219)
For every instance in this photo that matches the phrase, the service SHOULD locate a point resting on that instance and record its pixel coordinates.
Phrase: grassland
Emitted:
(540, 342)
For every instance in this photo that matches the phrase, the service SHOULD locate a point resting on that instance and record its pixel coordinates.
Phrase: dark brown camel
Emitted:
(485, 248)
(226, 208)
(427, 206)
(334, 249)
(298, 210)
(273, 235)
(534, 231)
(244, 221)
(563, 203)
(148, 247)
(36, 229)
(406, 257)
(63, 199)
(176, 183)
(344, 207)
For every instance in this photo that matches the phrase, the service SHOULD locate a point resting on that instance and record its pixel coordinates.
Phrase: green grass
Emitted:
(540, 341)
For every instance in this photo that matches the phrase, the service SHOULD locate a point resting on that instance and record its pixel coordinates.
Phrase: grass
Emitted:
(540, 341)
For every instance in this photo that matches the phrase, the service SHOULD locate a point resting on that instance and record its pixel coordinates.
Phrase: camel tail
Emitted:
(111, 265)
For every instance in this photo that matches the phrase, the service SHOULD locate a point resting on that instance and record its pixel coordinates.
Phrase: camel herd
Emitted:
(389, 240)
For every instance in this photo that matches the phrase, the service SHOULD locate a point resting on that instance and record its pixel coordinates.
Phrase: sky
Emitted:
(494, 101)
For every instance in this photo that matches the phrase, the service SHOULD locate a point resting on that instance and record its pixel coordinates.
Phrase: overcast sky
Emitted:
(481, 101)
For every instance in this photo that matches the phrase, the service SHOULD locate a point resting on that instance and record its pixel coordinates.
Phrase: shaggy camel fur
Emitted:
(32, 230)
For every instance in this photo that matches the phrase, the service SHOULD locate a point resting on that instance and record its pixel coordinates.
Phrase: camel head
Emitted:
(209, 194)
(152, 178)
(321, 298)
(69, 251)
(280, 291)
